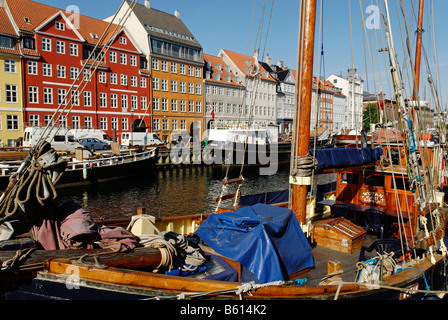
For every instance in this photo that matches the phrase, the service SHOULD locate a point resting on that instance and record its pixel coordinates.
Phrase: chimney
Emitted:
(280, 63)
(268, 60)
(177, 14)
(147, 4)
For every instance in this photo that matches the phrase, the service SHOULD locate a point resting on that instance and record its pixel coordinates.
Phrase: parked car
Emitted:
(95, 144)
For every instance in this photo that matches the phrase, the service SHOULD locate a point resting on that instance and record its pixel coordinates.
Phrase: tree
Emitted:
(371, 115)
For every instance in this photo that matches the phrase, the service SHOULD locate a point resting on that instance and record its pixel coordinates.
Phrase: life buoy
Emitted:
(91, 165)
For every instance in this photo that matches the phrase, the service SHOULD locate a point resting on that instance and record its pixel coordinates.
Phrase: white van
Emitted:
(61, 140)
(91, 133)
(140, 139)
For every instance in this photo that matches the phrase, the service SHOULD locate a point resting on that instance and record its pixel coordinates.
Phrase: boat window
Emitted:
(374, 181)
(400, 182)
(71, 139)
(59, 138)
(350, 178)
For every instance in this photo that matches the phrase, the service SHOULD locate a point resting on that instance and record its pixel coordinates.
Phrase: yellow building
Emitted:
(11, 106)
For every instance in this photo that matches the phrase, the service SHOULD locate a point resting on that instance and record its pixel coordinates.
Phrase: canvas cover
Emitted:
(265, 239)
(345, 157)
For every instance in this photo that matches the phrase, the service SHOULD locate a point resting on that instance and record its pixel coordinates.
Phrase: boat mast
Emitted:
(303, 106)
(418, 50)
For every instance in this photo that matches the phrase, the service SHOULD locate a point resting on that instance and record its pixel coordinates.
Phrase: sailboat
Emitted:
(266, 251)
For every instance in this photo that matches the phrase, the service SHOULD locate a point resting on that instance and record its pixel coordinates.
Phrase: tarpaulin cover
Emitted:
(265, 239)
(346, 157)
(267, 197)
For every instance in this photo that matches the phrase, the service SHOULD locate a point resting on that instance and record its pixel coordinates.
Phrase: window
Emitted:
(156, 124)
(183, 106)
(32, 67)
(114, 123)
(60, 26)
(155, 104)
(46, 69)
(88, 98)
(198, 72)
(133, 61)
(123, 40)
(164, 104)
(143, 102)
(46, 44)
(155, 83)
(124, 124)
(61, 71)
(351, 178)
(173, 86)
(76, 122)
(191, 88)
(374, 181)
(174, 124)
(73, 72)
(103, 100)
(60, 47)
(133, 81)
(124, 101)
(61, 96)
(123, 58)
(173, 67)
(164, 66)
(113, 100)
(164, 85)
(198, 106)
(190, 71)
(73, 49)
(155, 64)
(34, 120)
(112, 56)
(182, 69)
(113, 78)
(198, 88)
(86, 74)
(10, 66)
(11, 93)
(33, 96)
(75, 98)
(48, 95)
(143, 82)
(103, 123)
(165, 124)
(183, 124)
(183, 87)
(173, 105)
(190, 106)
(102, 77)
(88, 122)
(12, 122)
(124, 80)
(133, 102)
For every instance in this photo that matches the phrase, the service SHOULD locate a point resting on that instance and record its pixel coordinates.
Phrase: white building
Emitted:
(353, 102)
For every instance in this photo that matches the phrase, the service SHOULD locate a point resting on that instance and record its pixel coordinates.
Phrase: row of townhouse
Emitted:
(152, 75)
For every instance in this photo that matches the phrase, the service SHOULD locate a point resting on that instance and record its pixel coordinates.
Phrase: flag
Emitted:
(212, 112)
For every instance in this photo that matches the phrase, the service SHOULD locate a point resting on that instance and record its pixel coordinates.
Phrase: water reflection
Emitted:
(173, 191)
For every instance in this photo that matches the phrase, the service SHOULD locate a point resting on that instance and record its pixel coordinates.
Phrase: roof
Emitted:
(224, 76)
(245, 64)
(163, 25)
(30, 15)
(6, 25)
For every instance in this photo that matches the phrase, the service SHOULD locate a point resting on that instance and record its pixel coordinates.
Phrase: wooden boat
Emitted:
(97, 169)
(336, 271)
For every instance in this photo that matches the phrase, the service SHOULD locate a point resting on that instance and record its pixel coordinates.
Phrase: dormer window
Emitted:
(94, 35)
(27, 20)
(60, 26)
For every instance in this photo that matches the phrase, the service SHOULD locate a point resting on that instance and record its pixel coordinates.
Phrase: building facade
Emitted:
(352, 86)
(61, 83)
(261, 93)
(11, 104)
(176, 64)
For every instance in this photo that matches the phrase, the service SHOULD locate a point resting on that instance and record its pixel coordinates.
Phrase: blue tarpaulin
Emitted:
(265, 239)
(345, 157)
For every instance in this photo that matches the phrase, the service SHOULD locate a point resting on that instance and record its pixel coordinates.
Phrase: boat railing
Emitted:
(112, 160)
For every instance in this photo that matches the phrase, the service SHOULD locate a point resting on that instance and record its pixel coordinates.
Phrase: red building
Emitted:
(56, 66)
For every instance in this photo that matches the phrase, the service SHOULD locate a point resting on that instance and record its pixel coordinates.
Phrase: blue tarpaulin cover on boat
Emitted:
(265, 239)
(345, 157)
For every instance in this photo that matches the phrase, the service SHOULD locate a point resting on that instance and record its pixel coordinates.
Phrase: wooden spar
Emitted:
(306, 59)
(418, 49)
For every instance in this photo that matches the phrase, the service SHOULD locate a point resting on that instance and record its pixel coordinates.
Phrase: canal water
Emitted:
(172, 191)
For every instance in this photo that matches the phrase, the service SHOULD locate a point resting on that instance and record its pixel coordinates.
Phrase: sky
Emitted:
(234, 25)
